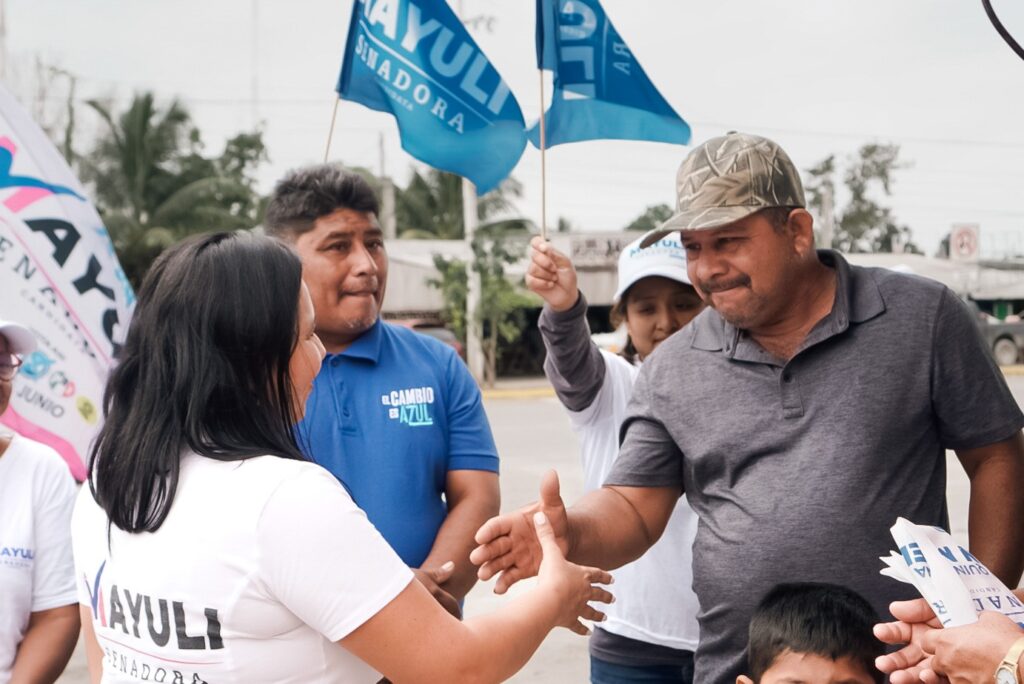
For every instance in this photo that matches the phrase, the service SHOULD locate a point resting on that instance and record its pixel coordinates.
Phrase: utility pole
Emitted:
(3, 41)
(474, 334)
(387, 200)
(827, 217)
(254, 83)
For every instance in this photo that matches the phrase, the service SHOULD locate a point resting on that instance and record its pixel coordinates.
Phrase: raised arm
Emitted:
(573, 364)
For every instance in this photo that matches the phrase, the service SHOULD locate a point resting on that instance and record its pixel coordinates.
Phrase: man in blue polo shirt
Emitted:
(394, 415)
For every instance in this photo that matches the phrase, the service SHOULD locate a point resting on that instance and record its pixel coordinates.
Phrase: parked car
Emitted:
(1004, 338)
(435, 329)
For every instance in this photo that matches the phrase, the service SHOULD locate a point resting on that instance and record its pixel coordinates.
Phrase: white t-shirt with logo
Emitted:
(260, 566)
(37, 494)
(656, 602)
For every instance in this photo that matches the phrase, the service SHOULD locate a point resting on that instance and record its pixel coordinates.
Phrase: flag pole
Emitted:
(543, 164)
(330, 133)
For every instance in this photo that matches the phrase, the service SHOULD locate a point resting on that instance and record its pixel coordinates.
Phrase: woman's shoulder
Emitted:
(37, 456)
(39, 468)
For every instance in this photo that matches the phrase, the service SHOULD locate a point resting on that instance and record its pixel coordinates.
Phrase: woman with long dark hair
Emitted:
(206, 547)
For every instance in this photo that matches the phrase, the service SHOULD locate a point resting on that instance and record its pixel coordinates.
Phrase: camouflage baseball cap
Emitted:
(729, 178)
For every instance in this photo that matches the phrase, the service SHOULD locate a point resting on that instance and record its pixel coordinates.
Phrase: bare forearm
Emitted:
(996, 509)
(44, 652)
(497, 645)
(455, 539)
(607, 531)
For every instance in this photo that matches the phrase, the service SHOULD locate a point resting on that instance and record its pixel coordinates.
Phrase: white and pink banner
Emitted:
(60, 278)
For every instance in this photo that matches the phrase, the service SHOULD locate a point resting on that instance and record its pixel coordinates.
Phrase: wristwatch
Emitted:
(1007, 671)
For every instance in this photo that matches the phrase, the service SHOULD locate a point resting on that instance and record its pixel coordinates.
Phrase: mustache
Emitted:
(712, 286)
(371, 283)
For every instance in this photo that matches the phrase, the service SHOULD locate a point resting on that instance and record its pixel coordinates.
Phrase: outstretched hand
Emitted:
(508, 544)
(972, 653)
(911, 664)
(551, 275)
(575, 586)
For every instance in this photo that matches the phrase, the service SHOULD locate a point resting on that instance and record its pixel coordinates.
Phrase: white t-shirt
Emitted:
(37, 494)
(260, 566)
(654, 594)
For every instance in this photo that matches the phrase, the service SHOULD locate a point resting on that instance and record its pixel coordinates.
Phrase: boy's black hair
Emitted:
(813, 617)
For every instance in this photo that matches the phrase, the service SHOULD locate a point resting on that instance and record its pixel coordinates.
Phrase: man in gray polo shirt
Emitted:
(802, 412)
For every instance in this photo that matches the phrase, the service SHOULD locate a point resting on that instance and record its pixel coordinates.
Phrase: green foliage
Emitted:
(154, 186)
(864, 225)
(454, 287)
(430, 207)
(500, 313)
(653, 216)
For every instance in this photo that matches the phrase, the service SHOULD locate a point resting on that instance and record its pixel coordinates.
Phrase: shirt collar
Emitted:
(366, 346)
(857, 300)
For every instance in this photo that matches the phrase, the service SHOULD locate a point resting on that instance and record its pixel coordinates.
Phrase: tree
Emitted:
(500, 311)
(430, 207)
(864, 225)
(153, 185)
(652, 217)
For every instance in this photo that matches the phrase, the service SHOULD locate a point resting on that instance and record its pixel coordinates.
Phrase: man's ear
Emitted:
(744, 679)
(801, 226)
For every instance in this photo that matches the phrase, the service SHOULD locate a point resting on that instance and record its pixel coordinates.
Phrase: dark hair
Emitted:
(779, 216)
(309, 193)
(617, 316)
(813, 617)
(205, 367)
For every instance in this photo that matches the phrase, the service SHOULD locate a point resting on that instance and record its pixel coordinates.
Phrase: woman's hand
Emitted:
(575, 586)
(551, 275)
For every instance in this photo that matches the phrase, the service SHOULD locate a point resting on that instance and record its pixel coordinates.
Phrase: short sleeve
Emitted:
(53, 580)
(470, 443)
(321, 557)
(971, 401)
(648, 456)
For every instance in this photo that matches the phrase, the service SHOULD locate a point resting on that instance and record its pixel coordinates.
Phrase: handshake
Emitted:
(966, 628)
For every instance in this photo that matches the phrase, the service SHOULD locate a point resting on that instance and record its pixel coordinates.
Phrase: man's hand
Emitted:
(432, 579)
(551, 275)
(508, 543)
(914, 620)
(973, 652)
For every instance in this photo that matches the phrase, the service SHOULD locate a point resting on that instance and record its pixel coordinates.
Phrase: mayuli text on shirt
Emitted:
(410, 406)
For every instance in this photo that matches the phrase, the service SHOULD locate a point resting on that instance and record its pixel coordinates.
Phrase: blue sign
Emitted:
(600, 89)
(414, 59)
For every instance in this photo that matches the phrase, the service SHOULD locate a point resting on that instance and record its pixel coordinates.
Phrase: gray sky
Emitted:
(818, 76)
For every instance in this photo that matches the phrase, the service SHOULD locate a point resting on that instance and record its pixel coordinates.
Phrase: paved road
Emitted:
(533, 435)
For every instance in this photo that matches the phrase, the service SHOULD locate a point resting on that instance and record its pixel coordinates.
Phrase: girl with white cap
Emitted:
(38, 602)
(651, 630)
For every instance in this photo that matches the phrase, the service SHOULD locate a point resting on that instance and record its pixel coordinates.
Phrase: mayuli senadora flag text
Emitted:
(415, 60)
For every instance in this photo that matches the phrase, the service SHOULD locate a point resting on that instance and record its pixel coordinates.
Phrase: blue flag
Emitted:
(601, 91)
(415, 60)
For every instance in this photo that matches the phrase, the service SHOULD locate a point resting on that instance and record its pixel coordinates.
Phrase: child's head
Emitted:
(654, 296)
(813, 633)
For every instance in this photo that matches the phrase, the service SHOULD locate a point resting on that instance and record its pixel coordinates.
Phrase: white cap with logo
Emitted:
(665, 258)
(20, 339)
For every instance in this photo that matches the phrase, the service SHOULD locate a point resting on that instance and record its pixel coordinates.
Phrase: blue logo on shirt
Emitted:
(410, 406)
